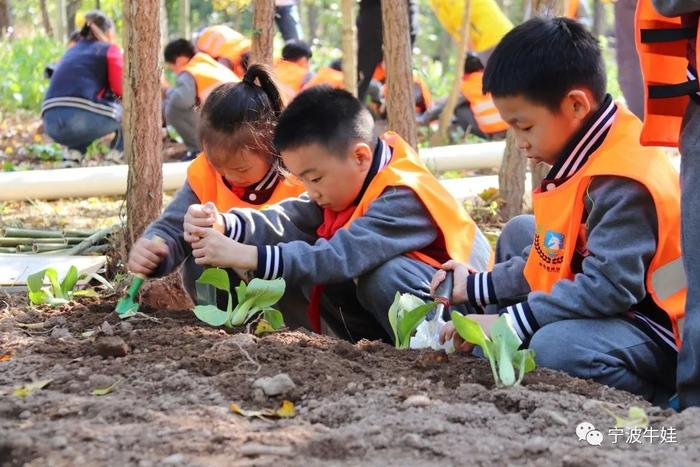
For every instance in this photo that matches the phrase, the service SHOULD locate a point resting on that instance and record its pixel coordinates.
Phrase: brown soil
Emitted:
(354, 402)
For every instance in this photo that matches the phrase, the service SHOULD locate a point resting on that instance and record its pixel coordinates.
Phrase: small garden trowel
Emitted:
(127, 306)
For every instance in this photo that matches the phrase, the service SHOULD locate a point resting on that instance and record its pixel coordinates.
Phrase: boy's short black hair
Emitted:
(472, 63)
(337, 64)
(543, 59)
(178, 48)
(332, 118)
(296, 49)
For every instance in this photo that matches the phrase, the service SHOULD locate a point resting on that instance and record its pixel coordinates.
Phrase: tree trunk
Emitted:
(397, 61)
(511, 179)
(311, 21)
(440, 137)
(5, 17)
(598, 18)
(142, 116)
(184, 22)
(46, 21)
(349, 46)
(163, 25)
(71, 10)
(61, 20)
(263, 31)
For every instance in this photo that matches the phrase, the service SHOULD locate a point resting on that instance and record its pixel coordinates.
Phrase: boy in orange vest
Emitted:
(293, 71)
(667, 41)
(197, 75)
(374, 220)
(594, 281)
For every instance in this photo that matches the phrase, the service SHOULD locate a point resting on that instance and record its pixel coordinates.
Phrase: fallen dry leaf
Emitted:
(6, 356)
(286, 410)
(263, 327)
(27, 389)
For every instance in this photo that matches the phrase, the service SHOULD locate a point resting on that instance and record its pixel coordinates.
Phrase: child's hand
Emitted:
(198, 219)
(146, 254)
(213, 248)
(448, 332)
(459, 289)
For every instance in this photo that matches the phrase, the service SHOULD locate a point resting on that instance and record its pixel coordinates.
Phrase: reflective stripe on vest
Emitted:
(463, 240)
(212, 39)
(662, 44)
(558, 215)
(209, 185)
(482, 106)
(208, 74)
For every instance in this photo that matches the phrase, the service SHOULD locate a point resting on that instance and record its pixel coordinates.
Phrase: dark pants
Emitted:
(287, 19)
(369, 39)
(78, 128)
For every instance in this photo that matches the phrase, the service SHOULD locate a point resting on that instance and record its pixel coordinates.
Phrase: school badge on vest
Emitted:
(549, 246)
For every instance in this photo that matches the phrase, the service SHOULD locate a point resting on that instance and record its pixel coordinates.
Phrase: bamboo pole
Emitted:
(42, 247)
(14, 241)
(92, 240)
(78, 233)
(30, 233)
(7, 249)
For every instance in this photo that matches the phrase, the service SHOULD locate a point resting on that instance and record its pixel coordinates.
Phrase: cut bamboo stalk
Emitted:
(14, 241)
(7, 249)
(42, 247)
(25, 248)
(92, 240)
(30, 233)
(74, 240)
(97, 250)
(78, 233)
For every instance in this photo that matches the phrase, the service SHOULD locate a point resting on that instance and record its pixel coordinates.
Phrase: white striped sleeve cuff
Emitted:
(522, 319)
(480, 291)
(233, 226)
(270, 264)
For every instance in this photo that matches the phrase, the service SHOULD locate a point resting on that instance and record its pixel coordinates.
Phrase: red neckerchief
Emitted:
(332, 222)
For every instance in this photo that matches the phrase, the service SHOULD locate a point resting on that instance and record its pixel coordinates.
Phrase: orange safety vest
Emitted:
(425, 92)
(290, 76)
(406, 169)
(379, 73)
(208, 74)
(212, 39)
(662, 44)
(208, 185)
(482, 106)
(558, 215)
(326, 75)
(571, 9)
(233, 51)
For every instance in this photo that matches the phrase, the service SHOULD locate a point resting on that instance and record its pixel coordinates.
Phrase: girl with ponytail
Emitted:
(239, 167)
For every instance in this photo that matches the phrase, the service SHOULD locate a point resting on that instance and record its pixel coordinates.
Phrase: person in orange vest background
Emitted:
(475, 111)
(331, 75)
(594, 281)
(293, 70)
(238, 168)
(577, 10)
(197, 75)
(374, 221)
(667, 42)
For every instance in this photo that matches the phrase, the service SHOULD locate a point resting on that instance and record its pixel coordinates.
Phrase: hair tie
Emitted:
(248, 80)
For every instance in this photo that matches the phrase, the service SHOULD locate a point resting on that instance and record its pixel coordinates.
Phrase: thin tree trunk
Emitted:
(397, 61)
(71, 10)
(598, 18)
(511, 179)
(5, 16)
(311, 21)
(440, 137)
(163, 25)
(185, 19)
(349, 46)
(46, 21)
(263, 31)
(142, 115)
(61, 20)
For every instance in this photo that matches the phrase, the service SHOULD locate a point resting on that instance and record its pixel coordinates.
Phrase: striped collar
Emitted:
(584, 143)
(260, 192)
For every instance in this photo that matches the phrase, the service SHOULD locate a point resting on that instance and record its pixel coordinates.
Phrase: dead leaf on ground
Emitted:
(286, 410)
(28, 389)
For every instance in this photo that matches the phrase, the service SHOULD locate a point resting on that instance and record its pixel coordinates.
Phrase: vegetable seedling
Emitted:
(254, 298)
(636, 418)
(58, 292)
(405, 314)
(501, 348)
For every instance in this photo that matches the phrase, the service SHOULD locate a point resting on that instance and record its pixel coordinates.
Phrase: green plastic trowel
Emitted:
(127, 306)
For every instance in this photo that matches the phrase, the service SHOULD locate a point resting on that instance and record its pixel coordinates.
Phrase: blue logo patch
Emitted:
(553, 241)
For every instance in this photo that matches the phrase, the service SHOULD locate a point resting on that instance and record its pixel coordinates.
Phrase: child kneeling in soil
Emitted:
(594, 281)
(374, 220)
(239, 168)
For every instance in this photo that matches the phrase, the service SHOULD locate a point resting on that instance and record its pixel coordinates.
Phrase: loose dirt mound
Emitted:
(361, 404)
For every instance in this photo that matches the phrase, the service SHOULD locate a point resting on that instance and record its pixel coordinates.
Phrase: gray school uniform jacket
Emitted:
(396, 223)
(621, 227)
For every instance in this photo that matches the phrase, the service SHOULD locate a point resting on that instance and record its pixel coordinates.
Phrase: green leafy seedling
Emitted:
(501, 349)
(405, 314)
(58, 292)
(636, 418)
(254, 298)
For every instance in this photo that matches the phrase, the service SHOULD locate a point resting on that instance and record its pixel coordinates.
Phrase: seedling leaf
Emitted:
(55, 285)
(215, 277)
(265, 293)
(104, 391)
(210, 314)
(274, 318)
(69, 281)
